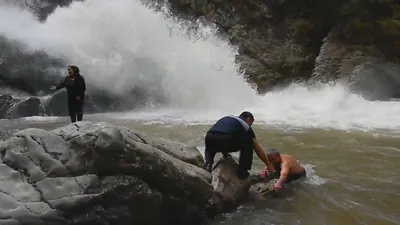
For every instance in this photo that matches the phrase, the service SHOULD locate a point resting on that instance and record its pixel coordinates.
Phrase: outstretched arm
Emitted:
(262, 156)
(61, 85)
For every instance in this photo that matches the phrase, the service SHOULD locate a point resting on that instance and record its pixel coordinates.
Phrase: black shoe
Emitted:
(208, 167)
(242, 174)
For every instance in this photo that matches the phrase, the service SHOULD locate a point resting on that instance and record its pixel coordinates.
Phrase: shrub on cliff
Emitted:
(358, 22)
(372, 22)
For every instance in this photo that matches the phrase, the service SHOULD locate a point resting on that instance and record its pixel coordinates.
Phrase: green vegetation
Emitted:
(358, 22)
(372, 22)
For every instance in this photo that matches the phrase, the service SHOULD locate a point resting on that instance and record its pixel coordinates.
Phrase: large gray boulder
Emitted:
(362, 69)
(98, 173)
(29, 106)
(17, 107)
(6, 101)
(229, 191)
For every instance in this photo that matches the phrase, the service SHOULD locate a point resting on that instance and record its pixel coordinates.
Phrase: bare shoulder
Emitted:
(289, 159)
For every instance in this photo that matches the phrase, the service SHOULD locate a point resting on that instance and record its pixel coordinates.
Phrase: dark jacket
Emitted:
(74, 88)
(234, 126)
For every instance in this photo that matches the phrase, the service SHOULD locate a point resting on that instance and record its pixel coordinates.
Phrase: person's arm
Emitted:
(82, 86)
(262, 156)
(284, 174)
(61, 85)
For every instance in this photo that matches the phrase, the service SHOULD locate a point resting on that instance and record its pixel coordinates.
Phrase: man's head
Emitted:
(73, 70)
(248, 117)
(274, 157)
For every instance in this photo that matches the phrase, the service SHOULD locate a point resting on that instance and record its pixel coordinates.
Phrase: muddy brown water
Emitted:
(353, 177)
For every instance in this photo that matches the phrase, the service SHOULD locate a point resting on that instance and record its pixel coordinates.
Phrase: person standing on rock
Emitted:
(232, 134)
(76, 87)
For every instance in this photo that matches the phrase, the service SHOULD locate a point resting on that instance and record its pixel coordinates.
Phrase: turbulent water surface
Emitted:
(352, 176)
(349, 145)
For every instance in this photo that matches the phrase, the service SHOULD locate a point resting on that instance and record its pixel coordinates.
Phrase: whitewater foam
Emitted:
(119, 44)
(312, 177)
(298, 106)
(43, 119)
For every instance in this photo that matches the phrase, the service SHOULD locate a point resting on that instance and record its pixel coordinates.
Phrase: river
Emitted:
(352, 175)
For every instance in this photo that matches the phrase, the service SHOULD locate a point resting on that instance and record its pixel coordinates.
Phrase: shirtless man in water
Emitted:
(286, 167)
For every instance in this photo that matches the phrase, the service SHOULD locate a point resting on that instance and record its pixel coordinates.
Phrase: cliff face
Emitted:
(31, 72)
(41, 8)
(280, 40)
(265, 33)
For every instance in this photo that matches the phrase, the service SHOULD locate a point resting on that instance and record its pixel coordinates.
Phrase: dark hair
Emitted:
(273, 152)
(245, 115)
(75, 69)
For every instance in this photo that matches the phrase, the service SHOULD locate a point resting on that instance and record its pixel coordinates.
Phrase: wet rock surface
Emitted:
(6, 101)
(361, 69)
(98, 173)
(230, 191)
(13, 108)
(30, 106)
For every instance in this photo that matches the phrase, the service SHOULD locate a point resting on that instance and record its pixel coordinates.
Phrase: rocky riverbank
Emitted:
(88, 173)
(55, 104)
(99, 173)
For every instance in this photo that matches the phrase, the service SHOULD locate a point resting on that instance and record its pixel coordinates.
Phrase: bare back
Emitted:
(294, 166)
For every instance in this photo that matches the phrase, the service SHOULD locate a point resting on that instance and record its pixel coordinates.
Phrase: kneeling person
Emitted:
(287, 168)
(232, 134)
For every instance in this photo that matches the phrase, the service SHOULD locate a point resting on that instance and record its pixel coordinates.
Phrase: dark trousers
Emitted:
(219, 142)
(75, 109)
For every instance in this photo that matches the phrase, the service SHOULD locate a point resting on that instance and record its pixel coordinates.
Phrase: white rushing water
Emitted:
(121, 43)
(297, 106)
